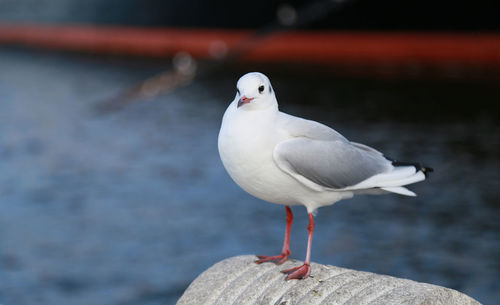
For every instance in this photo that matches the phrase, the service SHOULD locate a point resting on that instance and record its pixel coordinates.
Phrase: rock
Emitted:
(238, 280)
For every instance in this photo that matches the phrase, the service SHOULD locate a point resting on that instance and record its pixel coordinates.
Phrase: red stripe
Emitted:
(298, 46)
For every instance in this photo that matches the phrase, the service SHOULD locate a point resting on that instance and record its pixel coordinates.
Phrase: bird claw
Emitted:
(298, 273)
(278, 259)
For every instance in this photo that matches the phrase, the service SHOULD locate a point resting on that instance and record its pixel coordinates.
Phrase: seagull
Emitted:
(288, 160)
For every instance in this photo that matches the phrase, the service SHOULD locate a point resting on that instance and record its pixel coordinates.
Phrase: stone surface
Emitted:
(238, 280)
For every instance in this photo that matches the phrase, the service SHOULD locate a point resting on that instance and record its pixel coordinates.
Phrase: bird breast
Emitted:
(247, 154)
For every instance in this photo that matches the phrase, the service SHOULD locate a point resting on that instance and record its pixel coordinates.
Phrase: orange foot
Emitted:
(298, 273)
(278, 259)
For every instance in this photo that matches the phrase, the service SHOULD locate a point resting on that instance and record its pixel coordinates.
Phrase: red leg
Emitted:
(280, 259)
(302, 272)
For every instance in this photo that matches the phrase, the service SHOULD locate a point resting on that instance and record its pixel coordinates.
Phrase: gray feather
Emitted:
(332, 164)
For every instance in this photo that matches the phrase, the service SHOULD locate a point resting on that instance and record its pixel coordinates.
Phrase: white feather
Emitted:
(399, 190)
(397, 177)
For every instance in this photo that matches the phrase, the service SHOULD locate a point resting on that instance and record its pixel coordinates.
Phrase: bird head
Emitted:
(254, 91)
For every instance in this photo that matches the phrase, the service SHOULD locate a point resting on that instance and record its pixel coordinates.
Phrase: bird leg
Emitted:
(280, 259)
(302, 272)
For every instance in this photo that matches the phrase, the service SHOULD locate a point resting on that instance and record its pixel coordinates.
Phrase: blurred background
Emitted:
(111, 187)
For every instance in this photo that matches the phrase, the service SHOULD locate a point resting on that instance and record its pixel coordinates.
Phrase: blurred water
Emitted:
(129, 207)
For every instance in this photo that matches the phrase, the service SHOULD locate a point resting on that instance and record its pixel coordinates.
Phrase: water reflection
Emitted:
(128, 207)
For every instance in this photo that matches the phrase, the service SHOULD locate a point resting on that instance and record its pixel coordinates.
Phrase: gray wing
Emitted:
(329, 164)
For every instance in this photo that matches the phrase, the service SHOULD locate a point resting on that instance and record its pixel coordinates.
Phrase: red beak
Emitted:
(244, 100)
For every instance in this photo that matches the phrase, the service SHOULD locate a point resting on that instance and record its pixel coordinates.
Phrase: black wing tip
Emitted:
(424, 169)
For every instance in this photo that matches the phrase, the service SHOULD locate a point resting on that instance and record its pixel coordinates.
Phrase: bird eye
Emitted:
(261, 89)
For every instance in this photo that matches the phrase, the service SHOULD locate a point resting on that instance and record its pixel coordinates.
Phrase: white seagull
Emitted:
(288, 160)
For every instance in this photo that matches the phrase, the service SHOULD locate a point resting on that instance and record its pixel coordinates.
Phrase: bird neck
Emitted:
(271, 106)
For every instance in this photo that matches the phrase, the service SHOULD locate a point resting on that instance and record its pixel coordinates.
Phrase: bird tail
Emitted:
(417, 166)
(415, 173)
(402, 173)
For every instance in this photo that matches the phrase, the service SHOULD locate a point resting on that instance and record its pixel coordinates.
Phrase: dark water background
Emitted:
(130, 206)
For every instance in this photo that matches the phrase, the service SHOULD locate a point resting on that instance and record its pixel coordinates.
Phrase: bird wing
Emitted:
(321, 164)
(320, 157)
